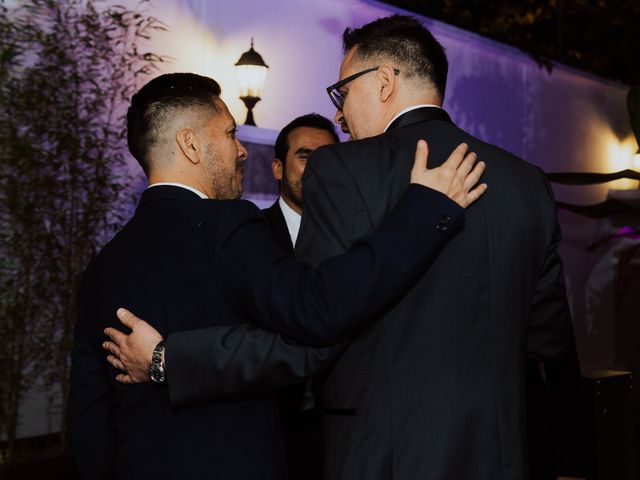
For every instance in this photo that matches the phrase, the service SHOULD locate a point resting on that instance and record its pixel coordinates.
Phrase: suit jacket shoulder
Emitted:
(334, 208)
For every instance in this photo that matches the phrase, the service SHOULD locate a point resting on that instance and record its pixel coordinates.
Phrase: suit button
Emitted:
(445, 220)
(442, 227)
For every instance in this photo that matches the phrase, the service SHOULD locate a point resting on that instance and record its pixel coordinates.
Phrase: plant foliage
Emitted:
(67, 71)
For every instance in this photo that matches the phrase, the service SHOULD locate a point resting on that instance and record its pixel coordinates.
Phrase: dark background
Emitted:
(597, 36)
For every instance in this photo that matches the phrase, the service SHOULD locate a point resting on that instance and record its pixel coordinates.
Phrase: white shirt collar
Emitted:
(292, 218)
(408, 109)
(187, 187)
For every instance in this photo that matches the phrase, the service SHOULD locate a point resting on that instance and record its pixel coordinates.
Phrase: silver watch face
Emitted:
(156, 373)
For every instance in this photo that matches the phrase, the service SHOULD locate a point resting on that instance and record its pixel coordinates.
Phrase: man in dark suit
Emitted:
(301, 419)
(434, 389)
(188, 256)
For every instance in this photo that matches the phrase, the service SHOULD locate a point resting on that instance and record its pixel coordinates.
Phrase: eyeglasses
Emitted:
(334, 90)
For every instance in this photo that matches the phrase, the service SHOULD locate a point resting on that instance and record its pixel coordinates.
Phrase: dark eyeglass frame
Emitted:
(333, 90)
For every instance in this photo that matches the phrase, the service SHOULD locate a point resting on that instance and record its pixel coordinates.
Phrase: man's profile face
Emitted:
(302, 142)
(224, 155)
(361, 111)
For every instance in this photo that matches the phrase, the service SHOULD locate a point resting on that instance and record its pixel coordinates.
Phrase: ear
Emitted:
(388, 82)
(277, 169)
(188, 143)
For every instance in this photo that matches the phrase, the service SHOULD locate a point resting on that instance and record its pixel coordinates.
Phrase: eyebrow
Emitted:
(304, 150)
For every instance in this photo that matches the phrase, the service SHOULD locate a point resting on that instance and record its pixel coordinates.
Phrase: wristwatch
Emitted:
(156, 369)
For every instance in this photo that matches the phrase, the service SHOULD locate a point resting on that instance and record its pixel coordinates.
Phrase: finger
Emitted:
(456, 157)
(421, 156)
(467, 164)
(474, 176)
(116, 335)
(475, 194)
(111, 347)
(124, 378)
(127, 318)
(115, 362)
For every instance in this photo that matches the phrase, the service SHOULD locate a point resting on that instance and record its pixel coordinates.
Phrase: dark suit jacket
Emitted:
(436, 386)
(279, 228)
(180, 263)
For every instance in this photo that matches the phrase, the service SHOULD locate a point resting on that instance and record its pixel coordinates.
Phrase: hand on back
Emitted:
(457, 177)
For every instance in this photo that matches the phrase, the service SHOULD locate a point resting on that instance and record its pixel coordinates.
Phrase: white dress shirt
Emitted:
(292, 218)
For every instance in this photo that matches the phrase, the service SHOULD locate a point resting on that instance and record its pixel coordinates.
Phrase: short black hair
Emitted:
(404, 39)
(158, 101)
(311, 120)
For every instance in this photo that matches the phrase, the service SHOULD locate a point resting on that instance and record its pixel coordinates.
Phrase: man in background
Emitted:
(301, 419)
(294, 145)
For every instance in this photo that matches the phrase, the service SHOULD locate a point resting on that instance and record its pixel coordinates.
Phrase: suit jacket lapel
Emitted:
(279, 227)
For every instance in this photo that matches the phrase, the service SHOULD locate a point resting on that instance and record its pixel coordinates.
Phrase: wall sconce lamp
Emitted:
(251, 72)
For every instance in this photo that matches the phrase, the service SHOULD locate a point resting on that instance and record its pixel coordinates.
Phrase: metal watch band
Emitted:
(156, 369)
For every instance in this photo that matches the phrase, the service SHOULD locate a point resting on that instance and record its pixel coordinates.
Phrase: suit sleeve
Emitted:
(91, 402)
(213, 363)
(551, 344)
(550, 332)
(326, 305)
(217, 362)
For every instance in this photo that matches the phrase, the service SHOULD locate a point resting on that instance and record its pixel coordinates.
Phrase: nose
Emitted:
(242, 152)
(339, 119)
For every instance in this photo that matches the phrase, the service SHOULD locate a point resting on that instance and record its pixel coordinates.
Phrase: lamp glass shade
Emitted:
(251, 79)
